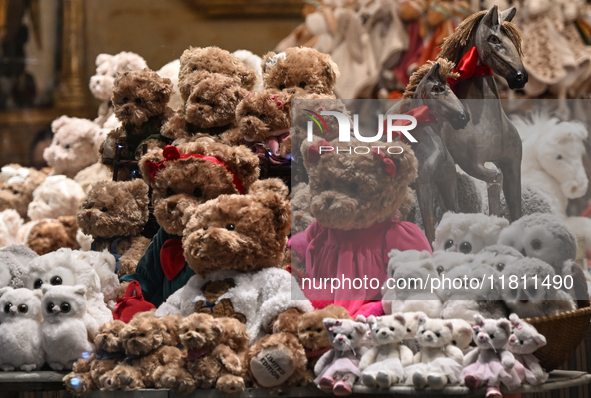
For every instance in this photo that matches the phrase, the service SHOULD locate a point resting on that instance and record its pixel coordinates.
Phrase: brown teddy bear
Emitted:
(300, 68)
(114, 214)
(355, 197)
(264, 120)
(86, 373)
(312, 333)
(143, 339)
(209, 111)
(48, 235)
(243, 238)
(210, 359)
(197, 60)
(18, 186)
(189, 174)
(140, 101)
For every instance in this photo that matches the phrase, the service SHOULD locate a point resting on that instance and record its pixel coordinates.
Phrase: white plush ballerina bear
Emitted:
(467, 233)
(524, 341)
(72, 267)
(65, 336)
(439, 362)
(461, 335)
(490, 363)
(20, 330)
(533, 297)
(382, 365)
(547, 237)
(408, 287)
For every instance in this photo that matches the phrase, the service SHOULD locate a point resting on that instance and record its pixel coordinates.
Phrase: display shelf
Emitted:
(558, 379)
(32, 381)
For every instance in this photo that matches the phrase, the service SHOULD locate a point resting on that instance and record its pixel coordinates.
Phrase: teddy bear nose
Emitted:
(384, 333)
(512, 339)
(88, 212)
(340, 338)
(249, 122)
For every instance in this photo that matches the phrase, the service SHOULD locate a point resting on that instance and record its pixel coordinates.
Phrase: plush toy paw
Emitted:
(419, 380)
(326, 383)
(77, 384)
(53, 365)
(229, 359)
(109, 382)
(344, 386)
(508, 363)
(230, 384)
(272, 366)
(384, 379)
(7, 368)
(436, 382)
(369, 380)
(493, 392)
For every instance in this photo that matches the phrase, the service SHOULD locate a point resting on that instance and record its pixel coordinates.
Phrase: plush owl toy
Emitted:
(20, 330)
(547, 237)
(65, 335)
(467, 233)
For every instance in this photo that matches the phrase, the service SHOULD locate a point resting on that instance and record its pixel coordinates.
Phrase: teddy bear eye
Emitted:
(142, 335)
(318, 330)
(448, 243)
(125, 100)
(194, 69)
(65, 307)
(440, 270)
(169, 192)
(56, 280)
(7, 307)
(521, 342)
(262, 116)
(335, 334)
(104, 209)
(168, 331)
(492, 336)
(282, 87)
(454, 342)
(23, 308)
(392, 329)
(138, 101)
(198, 330)
(500, 266)
(465, 247)
(437, 334)
(50, 307)
(67, 146)
(197, 99)
(197, 192)
(230, 227)
(115, 334)
(302, 84)
(37, 284)
(349, 337)
(423, 331)
(308, 329)
(408, 330)
(536, 244)
(14, 191)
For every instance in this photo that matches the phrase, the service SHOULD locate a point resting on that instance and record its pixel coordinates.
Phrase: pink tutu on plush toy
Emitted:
(448, 367)
(493, 373)
(340, 367)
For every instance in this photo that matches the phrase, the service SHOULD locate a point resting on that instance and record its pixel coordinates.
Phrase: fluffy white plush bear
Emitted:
(71, 267)
(382, 365)
(523, 342)
(20, 330)
(497, 256)
(10, 224)
(461, 335)
(14, 261)
(253, 62)
(408, 287)
(73, 147)
(65, 332)
(57, 196)
(171, 71)
(439, 362)
(467, 233)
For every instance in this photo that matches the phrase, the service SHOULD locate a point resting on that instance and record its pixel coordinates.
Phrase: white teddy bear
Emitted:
(467, 233)
(20, 330)
(72, 267)
(65, 331)
(73, 147)
(382, 365)
(523, 342)
(14, 261)
(10, 224)
(57, 196)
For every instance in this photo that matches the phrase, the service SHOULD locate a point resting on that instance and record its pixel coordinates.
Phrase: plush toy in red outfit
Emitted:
(355, 199)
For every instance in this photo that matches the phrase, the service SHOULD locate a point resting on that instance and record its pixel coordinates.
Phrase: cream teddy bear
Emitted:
(57, 196)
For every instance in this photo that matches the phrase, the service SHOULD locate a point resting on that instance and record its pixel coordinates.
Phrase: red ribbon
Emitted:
(171, 152)
(316, 353)
(194, 354)
(468, 67)
(172, 258)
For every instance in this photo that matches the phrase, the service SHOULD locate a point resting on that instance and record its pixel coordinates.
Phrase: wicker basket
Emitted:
(563, 332)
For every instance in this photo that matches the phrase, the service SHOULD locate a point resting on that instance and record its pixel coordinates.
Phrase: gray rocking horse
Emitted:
(428, 88)
(493, 44)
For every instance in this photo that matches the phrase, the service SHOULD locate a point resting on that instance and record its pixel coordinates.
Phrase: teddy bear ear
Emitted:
(248, 78)
(266, 60)
(146, 163)
(5, 290)
(69, 223)
(139, 190)
(515, 321)
(329, 323)
(539, 339)
(270, 184)
(243, 162)
(59, 122)
(280, 207)
(188, 214)
(331, 71)
(102, 58)
(422, 319)
(479, 319)
(38, 293)
(400, 318)
(371, 320)
(448, 324)
(505, 324)
(45, 288)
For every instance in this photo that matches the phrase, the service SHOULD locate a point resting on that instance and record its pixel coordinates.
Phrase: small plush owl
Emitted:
(65, 335)
(20, 330)
(467, 233)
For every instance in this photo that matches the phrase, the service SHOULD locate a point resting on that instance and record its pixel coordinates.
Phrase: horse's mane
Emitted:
(453, 46)
(541, 122)
(445, 71)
